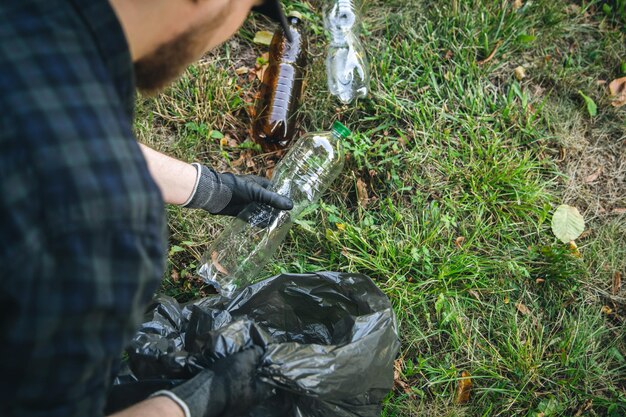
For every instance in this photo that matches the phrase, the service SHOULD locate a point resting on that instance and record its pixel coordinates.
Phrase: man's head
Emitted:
(167, 35)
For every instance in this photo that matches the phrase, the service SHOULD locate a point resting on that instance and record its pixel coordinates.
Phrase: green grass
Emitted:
(464, 166)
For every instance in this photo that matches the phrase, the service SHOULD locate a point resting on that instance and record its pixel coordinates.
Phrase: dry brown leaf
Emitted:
(250, 162)
(463, 388)
(517, 4)
(260, 72)
(520, 73)
(175, 276)
(540, 280)
(361, 193)
(585, 407)
(617, 283)
(214, 259)
(232, 142)
(239, 162)
(522, 308)
(397, 377)
(617, 88)
(591, 178)
(449, 54)
(242, 70)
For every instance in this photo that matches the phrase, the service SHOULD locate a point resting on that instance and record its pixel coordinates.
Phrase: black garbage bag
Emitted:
(329, 338)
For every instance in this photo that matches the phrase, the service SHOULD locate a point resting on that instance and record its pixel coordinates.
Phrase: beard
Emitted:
(158, 69)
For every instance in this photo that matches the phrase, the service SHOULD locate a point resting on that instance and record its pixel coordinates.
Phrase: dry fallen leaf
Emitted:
(617, 283)
(239, 162)
(458, 242)
(567, 223)
(175, 276)
(260, 72)
(218, 266)
(617, 88)
(606, 310)
(397, 377)
(585, 407)
(540, 280)
(474, 294)
(361, 193)
(263, 37)
(520, 73)
(591, 178)
(242, 70)
(463, 388)
(517, 4)
(522, 308)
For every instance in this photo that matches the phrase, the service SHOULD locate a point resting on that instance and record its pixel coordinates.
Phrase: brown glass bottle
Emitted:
(283, 82)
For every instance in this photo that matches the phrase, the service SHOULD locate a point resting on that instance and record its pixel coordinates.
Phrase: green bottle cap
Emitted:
(341, 130)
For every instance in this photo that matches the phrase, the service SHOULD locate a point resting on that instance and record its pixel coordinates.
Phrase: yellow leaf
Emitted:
(263, 37)
(567, 223)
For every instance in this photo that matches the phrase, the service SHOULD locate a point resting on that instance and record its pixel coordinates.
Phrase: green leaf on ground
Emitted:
(567, 223)
(592, 108)
(216, 134)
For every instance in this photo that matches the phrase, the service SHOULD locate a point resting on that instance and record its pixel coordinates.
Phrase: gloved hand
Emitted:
(231, 388)
(229, 194)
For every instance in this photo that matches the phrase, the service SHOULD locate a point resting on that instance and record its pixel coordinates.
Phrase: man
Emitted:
(82, 243)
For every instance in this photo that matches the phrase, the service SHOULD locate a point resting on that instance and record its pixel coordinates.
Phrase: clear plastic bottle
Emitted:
(283, 82)
(346, 63)
(236, 258)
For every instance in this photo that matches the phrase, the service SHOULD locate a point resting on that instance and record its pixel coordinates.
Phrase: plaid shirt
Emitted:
(82, 223)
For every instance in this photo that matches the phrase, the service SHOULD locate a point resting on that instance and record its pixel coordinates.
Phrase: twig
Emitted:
(491, 55)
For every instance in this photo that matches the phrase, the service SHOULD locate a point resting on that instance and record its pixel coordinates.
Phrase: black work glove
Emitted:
(228, 194)
(230, 388)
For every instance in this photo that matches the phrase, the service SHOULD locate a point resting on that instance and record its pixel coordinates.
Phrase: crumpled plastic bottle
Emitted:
(346, 63)
(237, 257)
